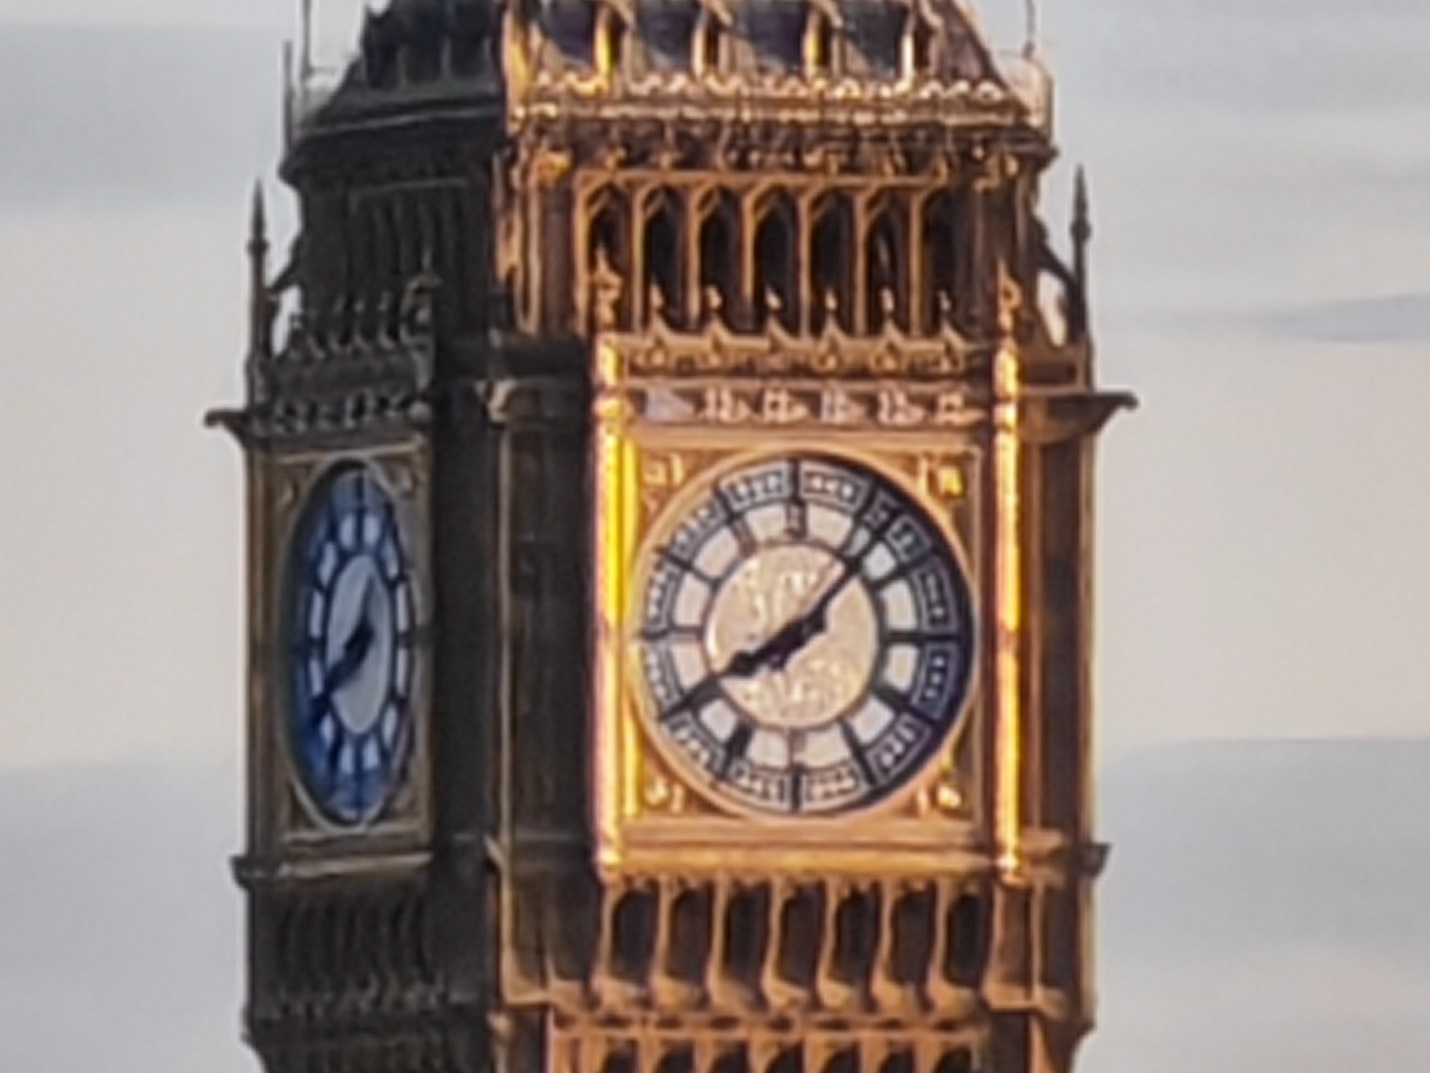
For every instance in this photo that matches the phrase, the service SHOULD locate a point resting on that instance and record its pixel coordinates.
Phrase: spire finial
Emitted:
(305, 44)
(258, 219)
(1082, 213)
(261, 303)
(1081, 230)
(1030, 28)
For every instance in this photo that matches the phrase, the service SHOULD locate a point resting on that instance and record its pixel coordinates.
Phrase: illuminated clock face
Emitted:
(353, 647)
(806, 636)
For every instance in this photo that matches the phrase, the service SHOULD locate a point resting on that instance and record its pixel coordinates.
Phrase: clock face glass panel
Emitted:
(806, 636)
(352, 647)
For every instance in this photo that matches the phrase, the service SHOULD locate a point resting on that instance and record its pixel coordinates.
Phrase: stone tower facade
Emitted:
(670, 519)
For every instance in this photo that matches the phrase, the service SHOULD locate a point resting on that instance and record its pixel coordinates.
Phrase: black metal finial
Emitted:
(260, 300)
(1082, 218)
(1081, 230)
(258, 221)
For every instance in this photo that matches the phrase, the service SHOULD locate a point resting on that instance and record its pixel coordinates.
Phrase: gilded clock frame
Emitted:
(647, 816)
(291, 483)
(666, 517)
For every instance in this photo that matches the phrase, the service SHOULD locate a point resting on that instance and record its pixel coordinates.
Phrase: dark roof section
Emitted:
(423, 54)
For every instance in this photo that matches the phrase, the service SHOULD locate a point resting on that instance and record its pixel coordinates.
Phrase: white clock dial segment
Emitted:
(806, 635)
(352, 647)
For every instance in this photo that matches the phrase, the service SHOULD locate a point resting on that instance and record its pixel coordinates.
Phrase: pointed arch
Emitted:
(913, 939)
(677, 1060)
(710, 46)
(967, 940)
(746, 934)
(957, 1061)
(916, 57)
(610, 42)
(886, 267)
(800, 918)
(690, 931)
(720, 256)
(776, 296)
(634, 928)
(608, 244)
(789, 1060)
(735, 1060)
(939, 242)
(819, 42)
(663, 255)
(831, 263)
(856, 925)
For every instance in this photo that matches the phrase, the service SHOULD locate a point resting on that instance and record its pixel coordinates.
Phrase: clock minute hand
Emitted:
(354, 654)
(794, 635)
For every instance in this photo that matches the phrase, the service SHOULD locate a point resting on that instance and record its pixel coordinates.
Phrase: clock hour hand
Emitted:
(776, 652)
(355, 648)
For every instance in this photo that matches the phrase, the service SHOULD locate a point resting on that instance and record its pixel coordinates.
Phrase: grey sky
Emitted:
(1261, 181)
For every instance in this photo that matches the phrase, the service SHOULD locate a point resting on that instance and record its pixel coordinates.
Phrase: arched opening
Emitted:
(633, 938)
(913, 924)
(885, 271)
(819, 44)
(720, 258)
(856, 926)
(610, 42)
(831, 250)
(689, 935)
(571, 26)
(608, 250)
(746, 934)
(940, 252)
(680, 1060)
(918, 45)
(669, 29)
(662, 258)
(790, 1060)
(799, 937)
(776, 297)
(898, 1062)
(959, 1061)
(965, 949)
(735, 1060)
(710, 53)
(621, 1059)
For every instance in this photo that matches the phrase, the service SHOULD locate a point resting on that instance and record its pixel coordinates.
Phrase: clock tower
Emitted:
(670, 521)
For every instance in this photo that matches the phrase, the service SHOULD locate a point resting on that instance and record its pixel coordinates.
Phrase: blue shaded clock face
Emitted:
(353, 648)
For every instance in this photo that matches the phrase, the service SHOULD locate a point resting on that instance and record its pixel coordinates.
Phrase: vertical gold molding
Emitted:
(1007, 449)
(616, 521)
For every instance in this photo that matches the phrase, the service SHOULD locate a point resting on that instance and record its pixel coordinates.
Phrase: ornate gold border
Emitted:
(624, 454)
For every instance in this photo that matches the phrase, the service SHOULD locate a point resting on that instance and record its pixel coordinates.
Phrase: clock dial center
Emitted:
(817, 633)
(359, 644)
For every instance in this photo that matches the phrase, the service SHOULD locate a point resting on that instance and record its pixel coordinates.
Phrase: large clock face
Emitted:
(806, 635)
(352, 647)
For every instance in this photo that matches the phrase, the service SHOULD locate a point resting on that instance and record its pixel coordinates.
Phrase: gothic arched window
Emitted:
(608, 249)
(775, 291)
(663, 257)
(886, 261)
(939, 242)
(720, 256)
(831, 264)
